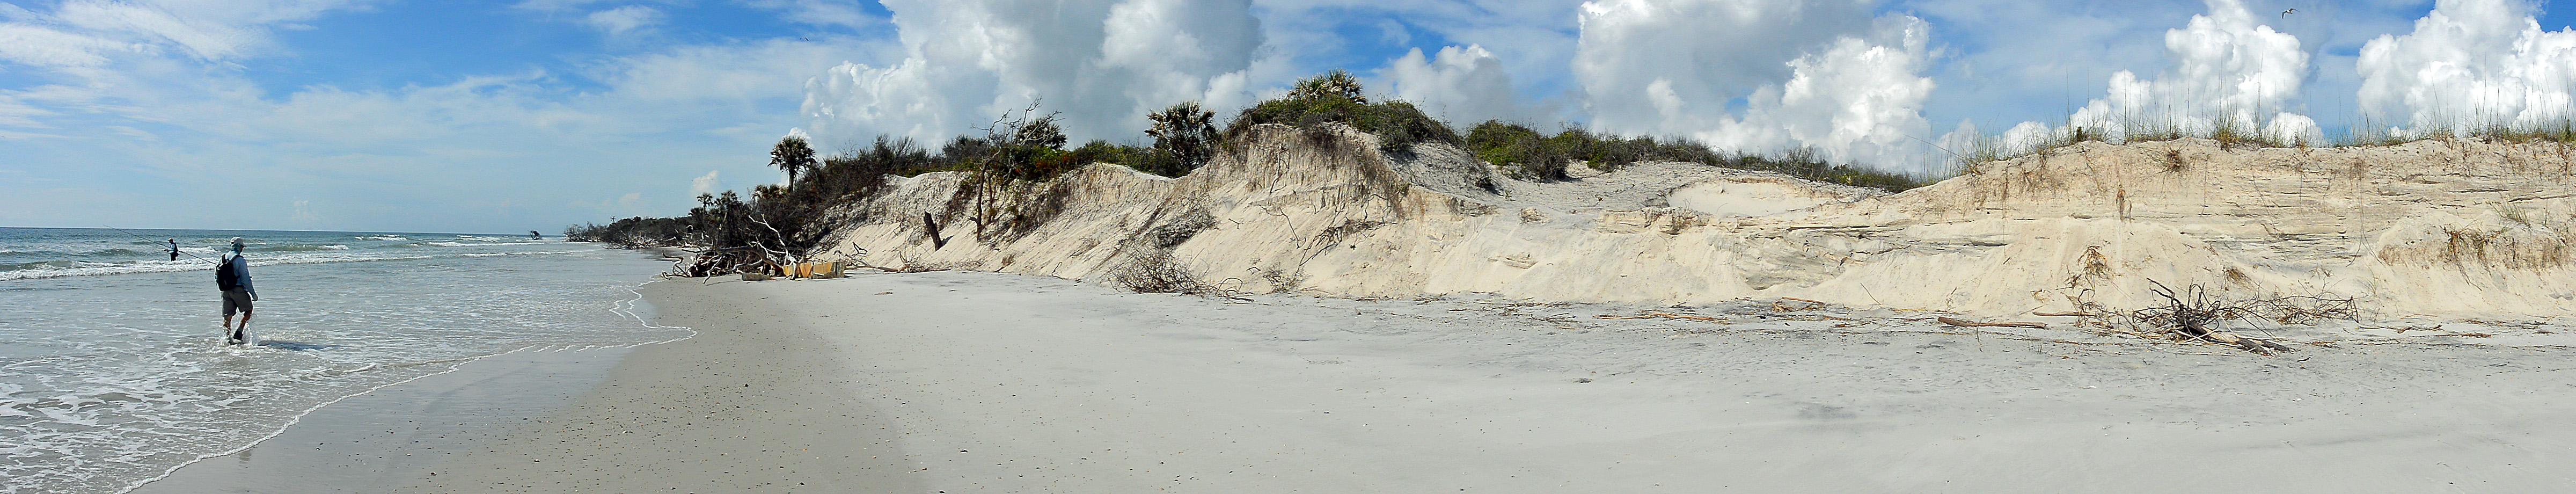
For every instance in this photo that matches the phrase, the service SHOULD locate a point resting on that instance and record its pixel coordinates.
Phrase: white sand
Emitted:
(1001, 383)
(750, 404)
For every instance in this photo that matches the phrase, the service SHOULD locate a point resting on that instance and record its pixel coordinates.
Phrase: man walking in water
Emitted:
(174, 249)
(233, 277)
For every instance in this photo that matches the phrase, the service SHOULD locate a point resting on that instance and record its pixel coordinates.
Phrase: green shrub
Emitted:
(1335, 98)
(1524, 154)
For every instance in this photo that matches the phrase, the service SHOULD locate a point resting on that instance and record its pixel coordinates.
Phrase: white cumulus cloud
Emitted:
(1464, 86)
(2226, 69)
(1103, 64)
(1861, 101)
(1655, 66)
(2470, 64)
(705, 184)
(1761, 76)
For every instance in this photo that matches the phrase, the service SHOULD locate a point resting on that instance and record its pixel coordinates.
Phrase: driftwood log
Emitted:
(1661, 315)
(1973, 324)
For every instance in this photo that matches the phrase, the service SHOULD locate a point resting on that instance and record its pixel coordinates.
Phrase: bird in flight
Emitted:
(2286, 13)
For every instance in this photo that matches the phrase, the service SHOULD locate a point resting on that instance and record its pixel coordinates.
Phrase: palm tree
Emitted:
(793, 156)
(1186, 134)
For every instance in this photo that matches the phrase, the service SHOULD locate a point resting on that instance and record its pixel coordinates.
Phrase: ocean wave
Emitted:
(39, 265)
(383, 238)
(298, 248)
(60, 269)
(483, 243)
(113, 252)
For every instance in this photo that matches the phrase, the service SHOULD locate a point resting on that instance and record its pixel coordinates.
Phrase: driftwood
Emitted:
(2471, 335)
(1652, 315)
(2193, 315)
(2055, 314)
(1783, 306)
(1971, 324)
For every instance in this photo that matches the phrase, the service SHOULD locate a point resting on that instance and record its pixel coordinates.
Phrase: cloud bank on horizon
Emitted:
(389, 115)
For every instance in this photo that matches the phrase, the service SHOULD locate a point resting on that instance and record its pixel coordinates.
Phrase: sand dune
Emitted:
(2442, 229)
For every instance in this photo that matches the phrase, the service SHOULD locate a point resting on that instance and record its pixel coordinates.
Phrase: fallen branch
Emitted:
(1662, 315)
(2055, 314)
(1782, 305)
(1968, 324)
(2193, 319)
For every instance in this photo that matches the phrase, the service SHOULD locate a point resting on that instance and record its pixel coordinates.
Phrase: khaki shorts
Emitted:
(236, 300)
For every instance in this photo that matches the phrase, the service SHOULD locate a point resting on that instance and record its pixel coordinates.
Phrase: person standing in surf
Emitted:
(233, 277)
(174, 249)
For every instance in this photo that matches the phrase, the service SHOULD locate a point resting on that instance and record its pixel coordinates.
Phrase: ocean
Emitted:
(113, 368)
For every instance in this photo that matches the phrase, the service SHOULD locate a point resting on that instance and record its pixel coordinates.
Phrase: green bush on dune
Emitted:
(1528, 155)
(1335, 97)
(1029, 148)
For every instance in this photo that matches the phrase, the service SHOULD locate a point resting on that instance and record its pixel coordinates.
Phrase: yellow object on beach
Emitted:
(825, 269)
(810, 270)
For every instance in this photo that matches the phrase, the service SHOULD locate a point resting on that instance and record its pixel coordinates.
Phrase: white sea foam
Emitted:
(110, 382)
(85, 268)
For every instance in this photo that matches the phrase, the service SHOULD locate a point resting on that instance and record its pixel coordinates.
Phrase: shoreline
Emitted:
(366, 442)
(980, 382)
(743, 406)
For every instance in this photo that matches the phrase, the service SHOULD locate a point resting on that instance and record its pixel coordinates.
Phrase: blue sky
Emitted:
(512, 116)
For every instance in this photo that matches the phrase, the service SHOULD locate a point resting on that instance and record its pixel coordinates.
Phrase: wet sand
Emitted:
(375, 441)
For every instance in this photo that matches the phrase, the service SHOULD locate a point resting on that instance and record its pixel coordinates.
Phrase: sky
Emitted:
(498, 117)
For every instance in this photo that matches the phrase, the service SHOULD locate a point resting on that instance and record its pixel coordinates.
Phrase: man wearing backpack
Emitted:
(233, 277)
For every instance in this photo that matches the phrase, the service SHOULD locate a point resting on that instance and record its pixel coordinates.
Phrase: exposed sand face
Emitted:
(997, 383)
(2447, 230)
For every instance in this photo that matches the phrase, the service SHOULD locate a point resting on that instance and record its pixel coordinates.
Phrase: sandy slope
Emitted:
(999, 383)
(2452, 230)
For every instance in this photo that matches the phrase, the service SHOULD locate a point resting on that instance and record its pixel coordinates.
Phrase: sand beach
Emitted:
(977, 382)
(1352, 321)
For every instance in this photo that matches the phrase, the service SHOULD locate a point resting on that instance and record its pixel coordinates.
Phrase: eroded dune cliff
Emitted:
(2445, 228)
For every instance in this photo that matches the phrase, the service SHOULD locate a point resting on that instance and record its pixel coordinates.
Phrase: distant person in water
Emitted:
(174, 249)
(233, 277)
